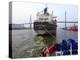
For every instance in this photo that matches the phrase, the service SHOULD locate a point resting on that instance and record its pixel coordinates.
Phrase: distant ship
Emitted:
(73, 28)
(45, 24)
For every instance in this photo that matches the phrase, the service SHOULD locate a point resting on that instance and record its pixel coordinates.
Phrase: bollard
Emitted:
(74, 46)
(65, 47)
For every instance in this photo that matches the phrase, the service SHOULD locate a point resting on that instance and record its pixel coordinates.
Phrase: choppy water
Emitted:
(23, 39)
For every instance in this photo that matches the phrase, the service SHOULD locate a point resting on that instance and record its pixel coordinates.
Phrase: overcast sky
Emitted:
(21, 11)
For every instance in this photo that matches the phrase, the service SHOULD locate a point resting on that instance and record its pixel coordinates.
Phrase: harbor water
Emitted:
(23, 40)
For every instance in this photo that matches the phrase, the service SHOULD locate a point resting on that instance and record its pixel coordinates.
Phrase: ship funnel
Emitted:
(45, 10)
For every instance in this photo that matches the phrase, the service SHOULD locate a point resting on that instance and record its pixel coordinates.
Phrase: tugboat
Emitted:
(45, 24)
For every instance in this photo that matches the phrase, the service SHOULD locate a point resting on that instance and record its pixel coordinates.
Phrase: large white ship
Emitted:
(45, 23)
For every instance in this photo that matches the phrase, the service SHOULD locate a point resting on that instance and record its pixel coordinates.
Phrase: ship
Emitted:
(45, 23)
(73, 28)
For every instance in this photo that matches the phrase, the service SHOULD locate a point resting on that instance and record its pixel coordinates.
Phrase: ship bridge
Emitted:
(45, 16)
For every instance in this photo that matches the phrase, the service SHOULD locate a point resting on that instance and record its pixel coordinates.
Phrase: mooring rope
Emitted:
(48, 31)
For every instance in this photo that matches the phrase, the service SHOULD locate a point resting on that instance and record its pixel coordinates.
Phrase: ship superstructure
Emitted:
(45, 23)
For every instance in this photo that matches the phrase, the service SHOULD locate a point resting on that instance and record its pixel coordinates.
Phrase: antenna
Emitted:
(46, 5)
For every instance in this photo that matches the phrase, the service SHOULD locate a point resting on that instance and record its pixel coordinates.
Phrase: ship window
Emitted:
(43, 18)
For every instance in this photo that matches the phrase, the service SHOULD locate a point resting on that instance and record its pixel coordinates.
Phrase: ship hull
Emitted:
(45, 28)
(43, 32)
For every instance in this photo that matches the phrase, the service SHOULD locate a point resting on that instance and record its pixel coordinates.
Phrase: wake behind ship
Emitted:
(45, 24)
